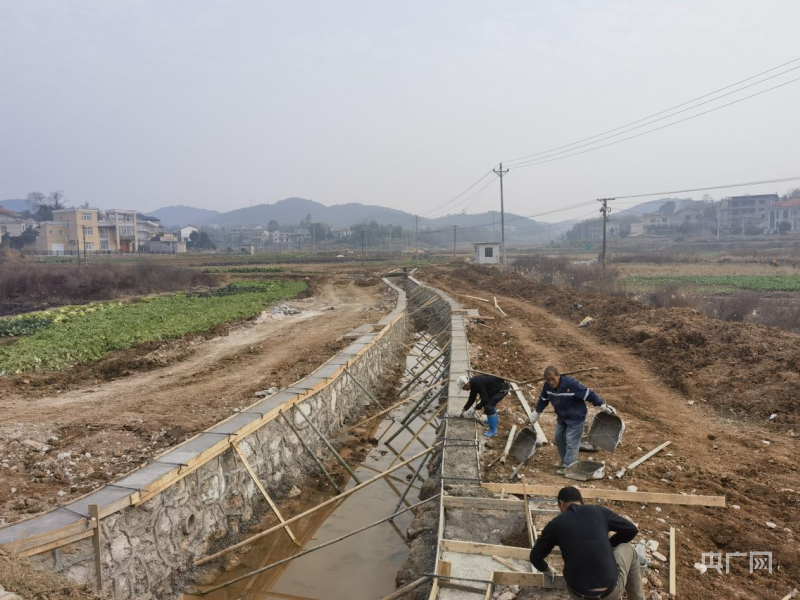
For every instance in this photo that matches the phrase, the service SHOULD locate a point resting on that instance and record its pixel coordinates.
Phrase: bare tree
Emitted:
(56, 200)
(35, 200)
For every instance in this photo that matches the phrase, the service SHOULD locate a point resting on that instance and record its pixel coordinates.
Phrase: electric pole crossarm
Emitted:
(500, 173)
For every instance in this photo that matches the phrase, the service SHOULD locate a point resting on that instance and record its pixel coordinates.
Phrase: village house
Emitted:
(746, 212)
(13, 223)
(787, 211)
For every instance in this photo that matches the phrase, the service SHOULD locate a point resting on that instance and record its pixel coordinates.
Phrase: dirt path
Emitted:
(752, 465)
(111, 428)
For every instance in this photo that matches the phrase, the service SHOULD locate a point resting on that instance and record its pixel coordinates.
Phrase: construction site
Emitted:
(318, 449)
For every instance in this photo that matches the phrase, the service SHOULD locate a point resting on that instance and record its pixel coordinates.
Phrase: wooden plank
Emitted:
(672, 565)
(652, 452)
(445, 568)
(526, 407)
(497, 306)
(509, 441)
(507, 564)
(528, 522)
(264, 493)
(491, 504)
(450, 585)
(534, 580)
(407, 588)
(32, 551)
(475, 298)
(485, 549)
(94, 513)
(619, 495)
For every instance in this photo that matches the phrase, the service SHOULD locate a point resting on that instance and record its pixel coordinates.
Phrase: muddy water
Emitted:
(361, 567)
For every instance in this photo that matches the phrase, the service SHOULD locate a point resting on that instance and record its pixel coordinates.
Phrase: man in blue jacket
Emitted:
(568, 397)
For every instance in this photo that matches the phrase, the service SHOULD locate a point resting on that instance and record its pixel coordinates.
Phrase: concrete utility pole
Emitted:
(390, 241)
(604, 210)
(362, 248)
(500, 172)
(492, 225)
(416, 237)
(719, 216)
(454, 241)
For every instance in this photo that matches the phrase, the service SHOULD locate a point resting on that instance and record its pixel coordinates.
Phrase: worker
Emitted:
(491, 389)
(569, 398)
(595, 566)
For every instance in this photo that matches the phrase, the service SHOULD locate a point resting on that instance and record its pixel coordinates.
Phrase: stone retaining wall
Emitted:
(148, 545)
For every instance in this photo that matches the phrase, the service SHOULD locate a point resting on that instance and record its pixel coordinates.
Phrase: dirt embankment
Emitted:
(744, 369)
(752, 462)
(59, 441)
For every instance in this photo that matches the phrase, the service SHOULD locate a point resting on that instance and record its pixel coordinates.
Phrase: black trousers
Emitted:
(489, 408)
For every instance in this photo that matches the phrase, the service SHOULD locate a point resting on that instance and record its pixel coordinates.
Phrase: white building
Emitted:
(147, 228)
(13, 223)
(185, 232)
(487, 253)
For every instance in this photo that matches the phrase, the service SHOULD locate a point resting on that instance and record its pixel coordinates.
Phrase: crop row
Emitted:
(91, 334)
(774, 283)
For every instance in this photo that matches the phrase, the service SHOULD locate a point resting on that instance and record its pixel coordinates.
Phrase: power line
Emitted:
(661, 112)
(541, 162)
(712, 187)
(445, 204)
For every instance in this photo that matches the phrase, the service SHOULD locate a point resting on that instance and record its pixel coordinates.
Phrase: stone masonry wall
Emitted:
(147, 549)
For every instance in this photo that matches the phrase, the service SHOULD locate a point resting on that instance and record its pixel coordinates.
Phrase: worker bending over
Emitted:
(568, 397)
(595, 566)
(491, 389)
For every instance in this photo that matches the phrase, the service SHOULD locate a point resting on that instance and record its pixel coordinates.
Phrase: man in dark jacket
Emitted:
(595, 566)
(568, 397)
(491, 390)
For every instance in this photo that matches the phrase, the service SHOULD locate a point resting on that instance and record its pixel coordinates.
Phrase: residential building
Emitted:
(302, 236)
(147, 228)
(690, 215)
(254, 235)
(487, 253)
(785, 211)
(282, 237)
(72, 230)
(655, 221)
(341, 233)
(187, 231)
(638, 228)
(118, 232)
(13, 223)
(166, 243)
(745, 212)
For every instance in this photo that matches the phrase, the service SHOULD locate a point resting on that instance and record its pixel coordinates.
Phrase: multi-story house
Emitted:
(74, 230)
(13, 223)
(745, 212)
(146, 228)
(785, 211)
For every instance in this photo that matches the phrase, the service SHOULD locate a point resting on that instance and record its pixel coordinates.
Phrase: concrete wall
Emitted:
(148, 547)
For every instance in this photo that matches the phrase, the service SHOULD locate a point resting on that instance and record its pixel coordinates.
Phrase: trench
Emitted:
(365, 565)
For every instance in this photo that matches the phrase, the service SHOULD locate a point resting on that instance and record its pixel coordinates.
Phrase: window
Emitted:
(104, 244)
(3, 229)
(89, 246)
(126, 231)
(86, 216)
(60, 231)
(103, 233)
(88, 230)
(488, 252)
(786, 214)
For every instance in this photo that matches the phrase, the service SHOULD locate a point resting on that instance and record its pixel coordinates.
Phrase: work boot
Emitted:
(492, 420)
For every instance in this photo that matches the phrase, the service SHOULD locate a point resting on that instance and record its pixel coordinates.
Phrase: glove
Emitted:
(550, 575)
(606, 408)
(535, 417)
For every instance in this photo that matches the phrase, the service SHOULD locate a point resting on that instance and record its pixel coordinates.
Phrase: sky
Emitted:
(144, 104)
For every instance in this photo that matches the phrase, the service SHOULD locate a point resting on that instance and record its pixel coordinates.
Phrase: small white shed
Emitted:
(487, 253)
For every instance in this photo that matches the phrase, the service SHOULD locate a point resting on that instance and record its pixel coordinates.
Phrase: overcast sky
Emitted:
(144, 104)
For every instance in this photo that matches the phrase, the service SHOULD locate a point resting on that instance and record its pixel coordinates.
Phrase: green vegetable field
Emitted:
(772, 283)
(245, 270)
(56, 339)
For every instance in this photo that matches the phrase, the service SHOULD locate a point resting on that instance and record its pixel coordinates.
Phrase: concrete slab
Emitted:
(145, 476)
(235, 424)
(42, 524)
(189, 450)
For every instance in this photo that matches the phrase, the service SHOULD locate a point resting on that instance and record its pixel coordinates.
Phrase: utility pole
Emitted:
(492, 225)
(454, 241)
(362, 247)
(604, 210)
(390, 242)
(500, 172)
(313, 239)
(719, 216)
(416, 237)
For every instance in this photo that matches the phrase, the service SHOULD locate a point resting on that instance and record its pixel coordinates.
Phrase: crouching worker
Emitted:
(595, 566)
(491, 390)
(568, 397)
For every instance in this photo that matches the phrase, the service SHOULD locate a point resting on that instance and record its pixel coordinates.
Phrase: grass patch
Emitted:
(245, 270)
(757, 283)
(91, 334)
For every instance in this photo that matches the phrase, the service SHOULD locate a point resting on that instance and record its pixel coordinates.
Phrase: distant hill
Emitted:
(17, 205)
(654, 205)
(172, 216)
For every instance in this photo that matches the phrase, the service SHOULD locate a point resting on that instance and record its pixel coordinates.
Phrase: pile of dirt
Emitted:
(744, 368)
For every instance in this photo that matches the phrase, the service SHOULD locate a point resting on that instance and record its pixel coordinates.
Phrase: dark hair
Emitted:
(550, 370)
(570, 494)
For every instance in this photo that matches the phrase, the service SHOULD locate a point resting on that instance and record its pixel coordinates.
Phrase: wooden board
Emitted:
(606, 494)
(485, 549)
(535, 580)
(492, 504)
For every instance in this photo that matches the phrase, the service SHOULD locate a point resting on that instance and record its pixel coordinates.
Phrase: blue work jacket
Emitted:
(568, 399)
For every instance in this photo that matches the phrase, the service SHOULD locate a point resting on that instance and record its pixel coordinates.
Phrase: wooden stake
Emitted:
(504, 455)
(416, 435)
(672, 565)
(407, 588)
(541, 379)
(94, 514)
(327, 502)
(497, 306)
(606, 494)
(528, 521)
(363, 389)
(428, 366)
(475, 298)
(336, 455)
(652, 452)
(264, 493)
(313, 456)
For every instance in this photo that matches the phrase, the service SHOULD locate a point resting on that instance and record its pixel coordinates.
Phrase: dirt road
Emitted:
(110, 428)
(713, 452)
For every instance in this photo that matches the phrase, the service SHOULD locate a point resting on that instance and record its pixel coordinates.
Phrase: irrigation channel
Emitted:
(365, 565)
